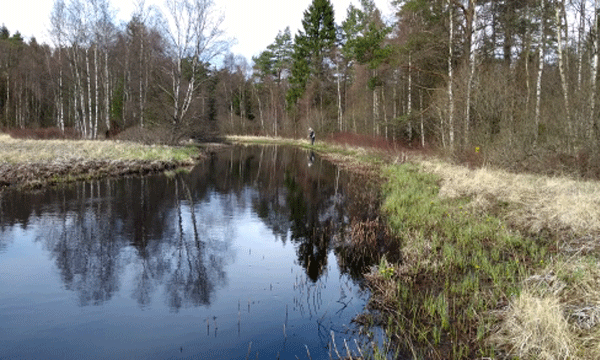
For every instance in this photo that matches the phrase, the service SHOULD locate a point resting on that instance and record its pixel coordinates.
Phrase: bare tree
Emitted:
(193, 31)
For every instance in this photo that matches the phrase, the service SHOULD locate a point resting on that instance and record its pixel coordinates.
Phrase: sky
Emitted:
(254, 23)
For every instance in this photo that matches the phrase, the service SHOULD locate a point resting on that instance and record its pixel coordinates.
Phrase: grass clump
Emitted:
(556, 315)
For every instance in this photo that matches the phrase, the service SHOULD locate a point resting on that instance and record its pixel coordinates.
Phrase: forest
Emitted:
(507, 82)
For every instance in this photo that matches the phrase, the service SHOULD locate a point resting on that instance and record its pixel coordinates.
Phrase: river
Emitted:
(236, 259)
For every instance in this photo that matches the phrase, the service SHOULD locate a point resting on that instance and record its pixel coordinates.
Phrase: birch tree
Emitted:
(559, 17)
(450, 77)
(592, 122)
(195, 37)
(538, 94)
(57, 21)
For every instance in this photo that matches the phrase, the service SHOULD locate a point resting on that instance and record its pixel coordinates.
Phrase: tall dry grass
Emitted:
(19, 151)
(531, 202)
(556, 315)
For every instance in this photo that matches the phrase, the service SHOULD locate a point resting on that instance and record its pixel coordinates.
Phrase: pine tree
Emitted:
(312, 46)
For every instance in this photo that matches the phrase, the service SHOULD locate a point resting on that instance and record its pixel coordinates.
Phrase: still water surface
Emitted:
(235, 260)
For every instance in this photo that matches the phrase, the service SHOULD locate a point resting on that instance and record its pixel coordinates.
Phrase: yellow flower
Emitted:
(477, 149)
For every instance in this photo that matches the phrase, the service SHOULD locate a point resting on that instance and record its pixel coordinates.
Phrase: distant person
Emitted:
(311, 135)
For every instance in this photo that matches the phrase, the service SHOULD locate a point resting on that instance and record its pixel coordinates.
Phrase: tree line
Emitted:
(460, 74)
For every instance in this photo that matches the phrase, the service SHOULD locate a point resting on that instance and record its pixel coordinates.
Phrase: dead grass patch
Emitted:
(27, 163)
(534, 203)
(556, 316)
(535, 329)
(17, 151)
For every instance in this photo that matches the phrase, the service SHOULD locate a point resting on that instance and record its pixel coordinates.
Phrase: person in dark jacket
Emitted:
(311, 135)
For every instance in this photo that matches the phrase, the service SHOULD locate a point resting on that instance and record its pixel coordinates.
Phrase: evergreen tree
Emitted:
(312, 46)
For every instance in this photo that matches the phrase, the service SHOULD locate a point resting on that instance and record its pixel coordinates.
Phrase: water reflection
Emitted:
(248, 246)
(164, 228)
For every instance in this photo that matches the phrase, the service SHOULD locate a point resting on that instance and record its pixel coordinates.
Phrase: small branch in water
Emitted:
(308, 352)
(334, 345)
(348, 350)
(249, 348)
(359, 351)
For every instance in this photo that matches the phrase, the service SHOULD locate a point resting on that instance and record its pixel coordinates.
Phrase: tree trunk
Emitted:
(339, 98)
(409, 95)
(422, 120)
(106, 91)
(539, 76)
(450, 79)
(89, 94)
(96, 91)
(472, 60)
(580, 44)
(561, 66)
(592, 122)
(61, 110)
(141, 84)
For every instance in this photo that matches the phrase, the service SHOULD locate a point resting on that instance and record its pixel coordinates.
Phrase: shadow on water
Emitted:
(179, 235)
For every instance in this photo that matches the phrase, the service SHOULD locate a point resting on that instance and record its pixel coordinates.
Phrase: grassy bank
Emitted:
(31, 163)
(494, 264)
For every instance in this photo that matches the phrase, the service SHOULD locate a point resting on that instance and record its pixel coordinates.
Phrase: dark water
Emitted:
(234, 260)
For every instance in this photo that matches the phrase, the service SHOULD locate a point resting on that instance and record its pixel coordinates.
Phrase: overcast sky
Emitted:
(254, 23)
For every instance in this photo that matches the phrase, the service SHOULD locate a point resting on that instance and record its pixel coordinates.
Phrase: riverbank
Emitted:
(35, 163)
(494, 264)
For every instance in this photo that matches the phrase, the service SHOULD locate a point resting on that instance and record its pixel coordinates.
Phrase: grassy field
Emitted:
(494, 264)
(31, 163)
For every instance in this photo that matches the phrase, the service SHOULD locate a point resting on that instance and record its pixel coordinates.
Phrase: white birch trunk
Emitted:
(472, 61)
(106, 91)
(339, 98)
(375, 111)
(176, 91)
(580, 50)
(89, 94)
(538, 94)
(79, 91)
(61, 109)
(96, 91)
(422, 120)
(409, 106)
(592, 121)
(450, 79)
(141, 84)
(561, 64)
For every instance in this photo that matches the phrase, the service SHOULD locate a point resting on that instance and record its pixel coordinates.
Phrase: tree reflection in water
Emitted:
(165, 228)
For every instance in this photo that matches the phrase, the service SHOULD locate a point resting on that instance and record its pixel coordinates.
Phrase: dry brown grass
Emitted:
(535, 329)
(33, 163)
(532, 202)
(556, 316)
(16, 151)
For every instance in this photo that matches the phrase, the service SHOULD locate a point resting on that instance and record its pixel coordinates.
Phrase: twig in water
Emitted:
(348, 350)
(249, 347)
(359, 351)
(307, 352)
(335, 346)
